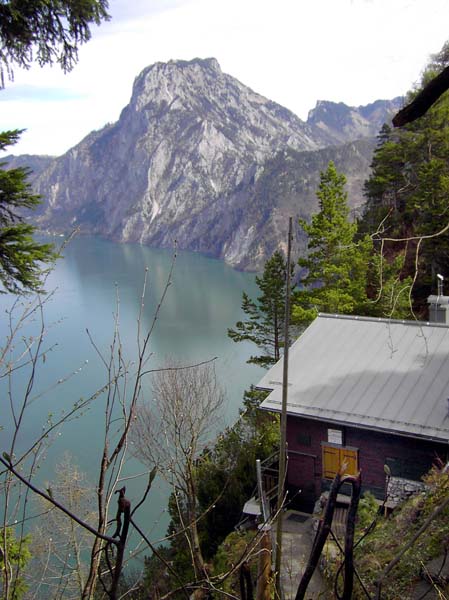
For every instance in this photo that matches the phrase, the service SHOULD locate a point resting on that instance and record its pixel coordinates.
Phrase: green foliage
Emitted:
(156, 578)
(225, 478)
(227, 475)
(229, 553)
(344, 273)
(46, 31)
(265, 324)
(367, 512)
(18, 555)
(391, 534)
(179, 550)
(408, 190)
(337, 265)
(21, 257)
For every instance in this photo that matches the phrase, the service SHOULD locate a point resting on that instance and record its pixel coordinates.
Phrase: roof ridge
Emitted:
(414, 323)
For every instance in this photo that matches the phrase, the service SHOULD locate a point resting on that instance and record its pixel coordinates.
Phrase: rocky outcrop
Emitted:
(200, 158)
(339, 123)
(251, 223)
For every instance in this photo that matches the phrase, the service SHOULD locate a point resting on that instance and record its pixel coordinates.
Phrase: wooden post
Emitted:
(246, 584)
(356, 485)
(321, 535)
(283, 443)
(263, 591)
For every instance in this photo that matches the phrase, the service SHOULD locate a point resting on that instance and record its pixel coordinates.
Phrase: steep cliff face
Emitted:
(191, 159)
(189, 135)
(252, 222)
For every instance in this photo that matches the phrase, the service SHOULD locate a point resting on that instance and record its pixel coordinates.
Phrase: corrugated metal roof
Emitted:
(372, 373)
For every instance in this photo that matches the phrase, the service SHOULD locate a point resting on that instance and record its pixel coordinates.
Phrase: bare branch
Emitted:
(160, 557)
(55, 503)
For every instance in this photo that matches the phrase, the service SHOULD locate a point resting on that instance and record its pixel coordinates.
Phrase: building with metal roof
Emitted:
(371, 392)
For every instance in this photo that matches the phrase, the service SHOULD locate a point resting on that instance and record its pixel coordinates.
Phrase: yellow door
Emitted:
(350, 458)
(331, 461)
(334, 457)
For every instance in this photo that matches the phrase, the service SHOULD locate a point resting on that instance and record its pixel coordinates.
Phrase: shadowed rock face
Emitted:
(200, 158)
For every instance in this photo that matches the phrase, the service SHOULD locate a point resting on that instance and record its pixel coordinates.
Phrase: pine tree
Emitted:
(21, 257)
(45, 31)
(408, 190)
(336, 265)
(265, 323)
(42, 31)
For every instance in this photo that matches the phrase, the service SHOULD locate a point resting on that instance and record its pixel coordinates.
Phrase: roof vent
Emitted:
(439, 305)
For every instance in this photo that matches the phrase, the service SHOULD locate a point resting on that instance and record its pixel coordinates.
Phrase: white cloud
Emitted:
(294, 52)
(50, 127)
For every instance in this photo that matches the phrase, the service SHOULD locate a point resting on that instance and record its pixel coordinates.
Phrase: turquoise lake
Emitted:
(202, 301)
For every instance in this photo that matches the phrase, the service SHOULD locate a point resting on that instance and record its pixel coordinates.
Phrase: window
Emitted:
(408, 468)
(334, 456)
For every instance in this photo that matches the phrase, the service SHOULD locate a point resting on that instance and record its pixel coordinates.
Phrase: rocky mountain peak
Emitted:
(339, 123)
(176, 79)
(183, 95)
(200, 158)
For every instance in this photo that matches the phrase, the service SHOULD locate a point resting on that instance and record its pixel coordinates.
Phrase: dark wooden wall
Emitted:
(407, 457)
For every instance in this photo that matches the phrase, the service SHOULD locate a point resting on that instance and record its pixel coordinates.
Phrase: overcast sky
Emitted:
(295, 52)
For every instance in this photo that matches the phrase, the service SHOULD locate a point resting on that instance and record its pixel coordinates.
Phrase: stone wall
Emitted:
(400, 489)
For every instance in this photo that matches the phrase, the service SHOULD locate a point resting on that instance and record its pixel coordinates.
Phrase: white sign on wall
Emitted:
(335, 436)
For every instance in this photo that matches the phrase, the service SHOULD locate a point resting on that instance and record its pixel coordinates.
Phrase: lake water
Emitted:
(201, 303)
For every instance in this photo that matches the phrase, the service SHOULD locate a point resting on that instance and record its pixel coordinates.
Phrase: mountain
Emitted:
(36, 164)
(200, 158)
(340, 123)
(286, 187)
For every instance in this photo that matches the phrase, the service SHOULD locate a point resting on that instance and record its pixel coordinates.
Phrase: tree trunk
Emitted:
(320, 538)
(349, 539)
(95, 555)
(123, 533)
(246, 584)
(198, 560)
